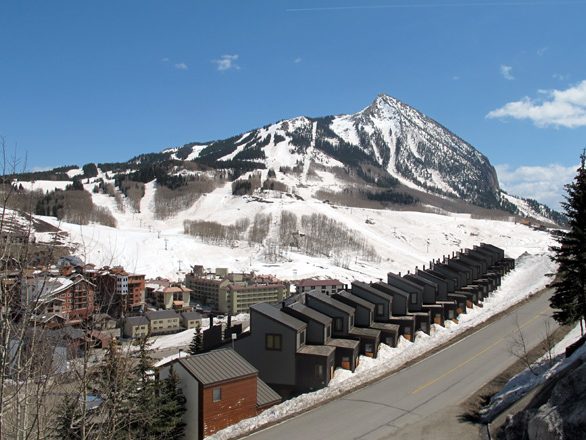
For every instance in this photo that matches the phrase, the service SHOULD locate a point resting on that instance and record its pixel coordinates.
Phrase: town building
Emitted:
(68, 300)
(329, 286)
(163, 322)
(276, 346)
(221, 388)
(234, 293)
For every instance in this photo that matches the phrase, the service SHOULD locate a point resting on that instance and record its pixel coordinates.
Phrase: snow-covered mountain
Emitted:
(386, 140)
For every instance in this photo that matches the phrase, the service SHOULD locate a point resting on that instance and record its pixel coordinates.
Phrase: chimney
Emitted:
(424, 267)
(229, 320)
(409, 272)
(211, 321)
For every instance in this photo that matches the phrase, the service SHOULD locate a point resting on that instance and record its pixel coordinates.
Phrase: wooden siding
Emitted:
(238, 402)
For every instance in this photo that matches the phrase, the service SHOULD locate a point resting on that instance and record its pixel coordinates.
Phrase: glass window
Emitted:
(319, 371)
(338, 324)
(380, 309)
(413, 298)
(273, 342)
(302, 338)
(217, 394)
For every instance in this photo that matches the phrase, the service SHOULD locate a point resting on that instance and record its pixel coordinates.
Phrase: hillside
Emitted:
(401, 240)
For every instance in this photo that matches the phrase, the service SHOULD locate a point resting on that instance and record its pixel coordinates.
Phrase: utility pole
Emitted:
(166, 241)
(179, 261)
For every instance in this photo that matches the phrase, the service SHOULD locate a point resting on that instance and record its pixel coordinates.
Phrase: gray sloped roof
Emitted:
(265, 394)
(162, 314)
(279, 316)
(316, 350)
(356, 299)
(369, 288)
(192, 315)
(403, 280)
(137, 320)
(332, 302)
(390, 290)
(312, 314)
(217, 366)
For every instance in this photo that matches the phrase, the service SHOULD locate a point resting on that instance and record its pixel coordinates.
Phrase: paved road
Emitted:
(415, 395)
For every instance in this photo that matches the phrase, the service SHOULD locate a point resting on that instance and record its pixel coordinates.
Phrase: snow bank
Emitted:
(548, 365)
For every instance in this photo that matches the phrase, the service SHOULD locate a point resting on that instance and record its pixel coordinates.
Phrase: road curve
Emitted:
(416, 393)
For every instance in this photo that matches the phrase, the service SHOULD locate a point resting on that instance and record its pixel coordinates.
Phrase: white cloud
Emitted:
(560, 76)
(507, 72)
(560, 108)
(297, 60)
(181, 66)
(541, 51)
(542, 183)
(227, 62)
(455, 78)
(164, 60)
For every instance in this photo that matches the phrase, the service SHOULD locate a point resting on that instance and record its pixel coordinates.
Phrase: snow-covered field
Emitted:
(529, 276)
(403, 239)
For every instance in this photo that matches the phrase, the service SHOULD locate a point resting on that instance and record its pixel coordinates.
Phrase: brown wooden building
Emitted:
(221, 389)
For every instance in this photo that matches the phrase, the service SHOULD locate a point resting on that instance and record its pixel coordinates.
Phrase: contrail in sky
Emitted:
(437, 5)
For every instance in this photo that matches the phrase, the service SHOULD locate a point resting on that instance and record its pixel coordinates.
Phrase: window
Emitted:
(329, 331)
(351, 321)
(273, 342)
(217, 394)
(413, 298)
(338, 324)
(302, 338)
(369, 347)
(380, 310)
(319, 371)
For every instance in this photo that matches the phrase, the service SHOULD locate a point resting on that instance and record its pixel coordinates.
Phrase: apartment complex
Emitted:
(234, 292)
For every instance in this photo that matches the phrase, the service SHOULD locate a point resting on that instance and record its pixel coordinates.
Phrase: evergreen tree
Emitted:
(66, 426)
(196, 345)
(115, 386)
(144, 402)
(169, 424)
(569, 299)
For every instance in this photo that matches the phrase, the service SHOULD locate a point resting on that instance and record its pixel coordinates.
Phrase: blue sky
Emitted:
(103, 81)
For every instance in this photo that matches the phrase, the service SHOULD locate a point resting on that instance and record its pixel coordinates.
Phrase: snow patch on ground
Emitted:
(545, 367)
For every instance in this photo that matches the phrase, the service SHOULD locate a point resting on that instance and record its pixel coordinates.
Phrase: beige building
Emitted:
(136, 327)
(234, 292)
(239, 297)
(190, 319)
(163, 321)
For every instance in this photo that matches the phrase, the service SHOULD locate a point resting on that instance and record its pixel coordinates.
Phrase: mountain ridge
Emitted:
(389, 146)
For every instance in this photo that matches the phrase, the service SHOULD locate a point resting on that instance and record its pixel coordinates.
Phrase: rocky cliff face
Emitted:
(557, 412)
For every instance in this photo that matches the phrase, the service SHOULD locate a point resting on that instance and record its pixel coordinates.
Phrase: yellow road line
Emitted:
(470, 359)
